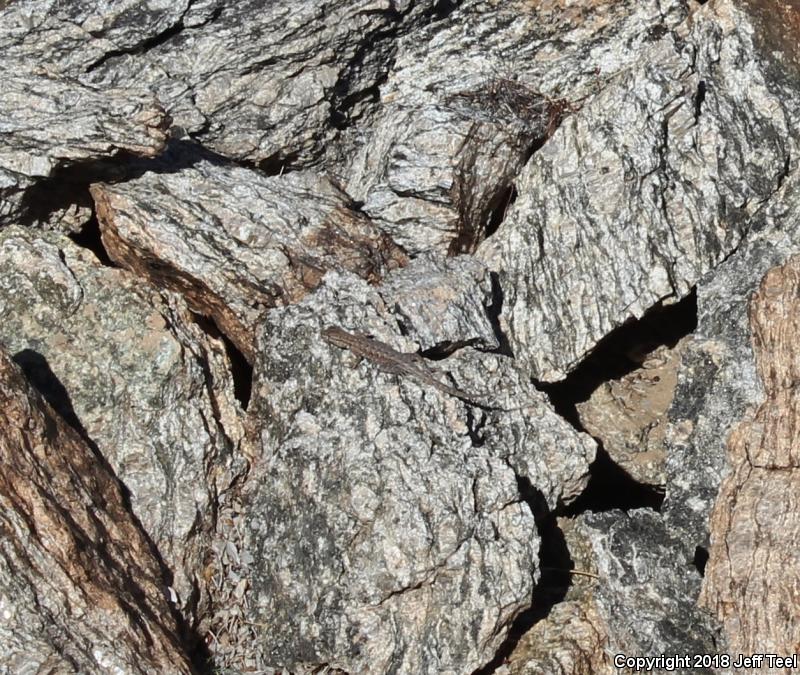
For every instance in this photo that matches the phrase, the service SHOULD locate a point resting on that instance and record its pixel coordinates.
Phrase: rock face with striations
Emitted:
(752, 567)
(645, 189)
(382, 519)
(469, 100)
(80, 587)
(124, 364)
(271, 83)
(499, 191)
(235, 243)
(51, 123)
(718, 381)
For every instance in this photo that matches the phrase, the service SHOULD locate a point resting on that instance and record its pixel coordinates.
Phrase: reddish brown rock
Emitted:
(629, 415)
(80, 588)
(753, 573)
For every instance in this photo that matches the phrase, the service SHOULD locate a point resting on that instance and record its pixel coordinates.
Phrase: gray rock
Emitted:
(646, 597)
(645, 189)
(71, 38)
(80, 588)
(572, 639)
(438, 300)
(270, 82)
(52, 122)
(126, 365)
(234, 242)
(381, 525)
(469, 100)
(382, 520)
(718, 381)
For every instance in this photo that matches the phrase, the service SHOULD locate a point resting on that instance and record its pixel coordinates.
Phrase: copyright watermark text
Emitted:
(673, 662)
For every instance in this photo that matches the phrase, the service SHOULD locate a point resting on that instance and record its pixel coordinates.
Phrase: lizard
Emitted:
(391, 361)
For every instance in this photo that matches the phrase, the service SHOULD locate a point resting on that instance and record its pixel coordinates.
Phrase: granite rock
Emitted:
(270, 84)
(51, 123)
(382, 519)
(469, 100)
(718, 382)
(125, 365)
(646, 188)
(234, 242)
(81, 589)
(647, 597)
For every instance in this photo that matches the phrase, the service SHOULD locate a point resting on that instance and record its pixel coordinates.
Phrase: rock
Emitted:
(439, 301)
(492, 188)
(646, 596)
(128, 368)
(753, 566)
(570, 637)
(270, 83)
(629, 416)
(51, 123)
(646, 188)
(76, 37)
(80, 587)
(571, 641)
(234, 242)
(470, 99)
(718, 380)
(382, 519)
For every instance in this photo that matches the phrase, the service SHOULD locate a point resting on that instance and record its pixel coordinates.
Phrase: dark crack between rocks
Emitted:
(555, 565)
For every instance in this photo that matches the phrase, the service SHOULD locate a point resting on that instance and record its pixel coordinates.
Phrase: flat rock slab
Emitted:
(382, 526)
(234, 242)
(126, 366)
(80, 587)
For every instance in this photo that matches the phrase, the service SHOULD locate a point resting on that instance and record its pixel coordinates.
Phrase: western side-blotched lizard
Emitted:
(392, 361)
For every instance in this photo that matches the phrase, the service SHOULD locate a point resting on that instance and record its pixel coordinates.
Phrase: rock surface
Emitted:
(383, 524)
(124, 364)
(572, 637)
(468, 102)
(51, 123)
(80, 587)
(235, 243)
(75, 37)
(753, 569)
(644, 189)
(497, 189)
(271, 83)
(629, 416)
(718, 381)
(545, 651)
(646, 596)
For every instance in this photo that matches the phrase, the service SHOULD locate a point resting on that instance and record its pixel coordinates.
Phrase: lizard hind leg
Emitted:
(352, 360)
